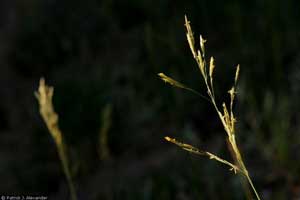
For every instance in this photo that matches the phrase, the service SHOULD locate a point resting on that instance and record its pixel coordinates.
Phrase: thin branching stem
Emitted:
(226, 116)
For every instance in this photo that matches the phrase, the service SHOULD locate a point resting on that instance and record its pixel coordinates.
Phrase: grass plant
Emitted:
(44, 96)
(224, 112)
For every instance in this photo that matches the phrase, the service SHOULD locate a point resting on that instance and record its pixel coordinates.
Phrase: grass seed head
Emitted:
(171, 81)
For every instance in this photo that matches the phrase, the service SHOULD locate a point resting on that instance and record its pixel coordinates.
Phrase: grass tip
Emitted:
(168, 138)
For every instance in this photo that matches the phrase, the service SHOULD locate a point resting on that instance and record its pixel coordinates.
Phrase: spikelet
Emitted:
(171, 81)
(175, 83)
(202, 45)
(195, 150)
(191, 41)
(211, 72)
(201, 64)
(232, 94)
(190, 37)
(236, 74)
(211, 67)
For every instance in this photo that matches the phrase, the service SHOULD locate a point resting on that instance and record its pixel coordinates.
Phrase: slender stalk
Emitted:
(66, 168)
(252, 186)
(44, 96)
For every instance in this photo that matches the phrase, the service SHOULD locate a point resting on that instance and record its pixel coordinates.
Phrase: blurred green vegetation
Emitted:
(97, 53)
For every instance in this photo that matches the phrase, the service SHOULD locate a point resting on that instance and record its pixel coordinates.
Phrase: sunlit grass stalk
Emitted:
(44, 96)
(225, 114)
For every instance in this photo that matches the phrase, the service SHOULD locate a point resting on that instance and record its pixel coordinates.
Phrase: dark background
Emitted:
(108, 53)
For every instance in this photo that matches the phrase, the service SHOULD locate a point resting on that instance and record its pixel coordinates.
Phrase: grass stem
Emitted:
(226, 115)
(44, 96)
